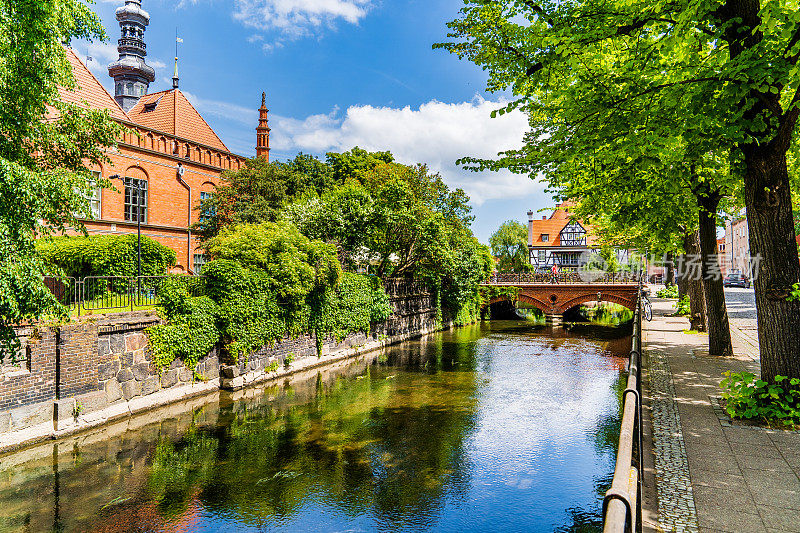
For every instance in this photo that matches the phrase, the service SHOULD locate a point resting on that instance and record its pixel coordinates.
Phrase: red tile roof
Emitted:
(171, 112)
(89, 90)
(552, 228)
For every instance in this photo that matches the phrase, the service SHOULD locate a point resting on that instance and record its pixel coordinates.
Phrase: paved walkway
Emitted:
(711, 475)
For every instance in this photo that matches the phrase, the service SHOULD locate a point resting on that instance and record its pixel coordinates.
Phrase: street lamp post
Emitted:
(137, 187)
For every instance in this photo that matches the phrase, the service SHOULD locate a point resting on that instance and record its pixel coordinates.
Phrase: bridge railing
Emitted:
(622, 505)
(564, 277)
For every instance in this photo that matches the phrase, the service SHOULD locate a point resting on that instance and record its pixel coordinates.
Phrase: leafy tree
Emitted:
(45, 147)
(294, 264)
(724, 76)
(510, 246)
(355, 163)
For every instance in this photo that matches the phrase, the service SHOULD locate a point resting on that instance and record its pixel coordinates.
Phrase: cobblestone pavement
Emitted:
(741, 479)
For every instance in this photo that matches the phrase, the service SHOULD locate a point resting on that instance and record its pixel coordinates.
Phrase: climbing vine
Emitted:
(272, 282)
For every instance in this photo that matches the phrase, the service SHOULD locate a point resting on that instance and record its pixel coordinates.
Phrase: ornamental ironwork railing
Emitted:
(580, 277)
(117, 293)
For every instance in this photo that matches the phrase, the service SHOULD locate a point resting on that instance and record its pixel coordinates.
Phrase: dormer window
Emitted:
(545, 237)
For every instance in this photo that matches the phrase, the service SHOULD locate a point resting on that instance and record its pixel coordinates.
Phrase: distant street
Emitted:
(742, 308)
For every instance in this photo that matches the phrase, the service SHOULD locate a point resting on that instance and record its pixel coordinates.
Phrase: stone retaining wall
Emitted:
(99, 368)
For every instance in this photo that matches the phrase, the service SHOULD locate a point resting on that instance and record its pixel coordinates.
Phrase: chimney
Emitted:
(530, 215)
(544, 217)
(262, 131)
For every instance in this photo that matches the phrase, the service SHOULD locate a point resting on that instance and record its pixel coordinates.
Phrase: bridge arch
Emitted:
(592, 297)
(521, 297)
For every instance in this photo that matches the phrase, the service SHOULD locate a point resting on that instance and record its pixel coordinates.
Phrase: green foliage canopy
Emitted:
(104, 255)
(510, 246)
(45, 146)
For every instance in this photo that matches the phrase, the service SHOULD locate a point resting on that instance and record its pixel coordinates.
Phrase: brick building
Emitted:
(169, 159)
(722, 257)
(737, 246)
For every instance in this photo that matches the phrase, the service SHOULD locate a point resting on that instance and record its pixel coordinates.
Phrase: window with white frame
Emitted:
(205, 211)
(199, 261)
(136, 199)
(542, 256)
(93, 198)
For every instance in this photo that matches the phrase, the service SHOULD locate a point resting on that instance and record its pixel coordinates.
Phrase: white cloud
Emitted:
(101, 53)
(292, 19)
(436, 134)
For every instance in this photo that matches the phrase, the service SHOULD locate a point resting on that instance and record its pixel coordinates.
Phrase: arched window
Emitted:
(136, 192)
(129, 89)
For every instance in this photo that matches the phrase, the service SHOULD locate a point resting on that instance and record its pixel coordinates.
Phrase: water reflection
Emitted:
(499, 426)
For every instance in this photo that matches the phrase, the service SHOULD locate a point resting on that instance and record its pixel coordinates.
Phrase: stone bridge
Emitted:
(554, 298)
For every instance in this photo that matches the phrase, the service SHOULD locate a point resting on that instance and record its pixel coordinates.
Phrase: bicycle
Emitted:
(647, 307)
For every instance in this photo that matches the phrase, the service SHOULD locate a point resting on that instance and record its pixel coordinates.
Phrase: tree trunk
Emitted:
(767, 198)
(694, 285)
(670, 275)
(681, 281)
(775, 261)
(719, 333)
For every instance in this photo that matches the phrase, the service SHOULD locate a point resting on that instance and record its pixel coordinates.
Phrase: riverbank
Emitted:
(709, 474)
(65, 424)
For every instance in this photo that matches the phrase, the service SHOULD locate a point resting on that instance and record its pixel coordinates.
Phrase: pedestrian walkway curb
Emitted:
(711, 475)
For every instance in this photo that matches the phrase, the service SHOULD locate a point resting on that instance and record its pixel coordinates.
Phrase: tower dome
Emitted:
(132, 75)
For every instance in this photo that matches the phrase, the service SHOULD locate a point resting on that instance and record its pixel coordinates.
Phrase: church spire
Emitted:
(132, 75)
(262, 131)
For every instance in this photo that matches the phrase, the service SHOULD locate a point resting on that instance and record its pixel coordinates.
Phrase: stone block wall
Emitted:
(99, 363)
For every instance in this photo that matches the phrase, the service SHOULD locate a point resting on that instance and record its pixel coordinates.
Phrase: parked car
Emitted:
(736, 279)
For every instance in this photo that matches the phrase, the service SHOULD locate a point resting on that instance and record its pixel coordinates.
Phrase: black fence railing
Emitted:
(622, 505)
(499, 278)
(116, 293)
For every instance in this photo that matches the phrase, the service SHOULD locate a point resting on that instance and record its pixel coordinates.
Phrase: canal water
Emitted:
(502, 426)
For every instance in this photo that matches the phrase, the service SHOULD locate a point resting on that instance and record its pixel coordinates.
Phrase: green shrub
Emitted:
(190, 334)
(250, 316)
(795, 294)
(295, 265)
(104, 255)
(670, 291)
(776, 404)
(358, 302)
(683, 307)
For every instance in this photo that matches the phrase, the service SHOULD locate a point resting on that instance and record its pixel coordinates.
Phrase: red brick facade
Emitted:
(155, 156)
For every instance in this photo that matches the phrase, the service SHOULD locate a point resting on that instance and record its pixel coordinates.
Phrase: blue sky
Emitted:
(337, 73)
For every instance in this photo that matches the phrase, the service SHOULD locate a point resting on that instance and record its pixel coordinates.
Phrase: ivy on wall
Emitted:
(272, 282)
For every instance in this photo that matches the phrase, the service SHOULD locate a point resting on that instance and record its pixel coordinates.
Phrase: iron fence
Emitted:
(110, 293)
(564, 277)
(622, 505)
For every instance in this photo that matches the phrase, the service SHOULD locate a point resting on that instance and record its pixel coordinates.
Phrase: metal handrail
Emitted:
(101, 293)
(564, 278)
(622, 505)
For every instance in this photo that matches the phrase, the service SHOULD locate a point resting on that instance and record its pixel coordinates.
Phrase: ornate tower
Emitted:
(132, 75)
(262, 131)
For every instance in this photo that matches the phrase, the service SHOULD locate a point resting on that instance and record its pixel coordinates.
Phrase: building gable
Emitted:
(171, 112)
(89, 91)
